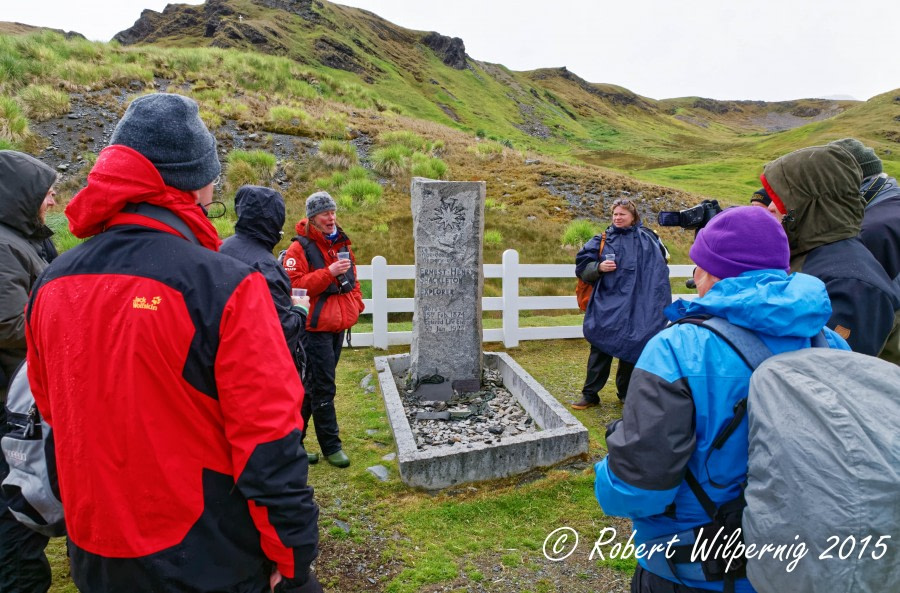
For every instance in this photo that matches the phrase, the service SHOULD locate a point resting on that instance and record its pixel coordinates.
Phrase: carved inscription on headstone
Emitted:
(448, 226)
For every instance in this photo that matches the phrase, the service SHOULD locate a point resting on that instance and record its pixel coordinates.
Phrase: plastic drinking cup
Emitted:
(343, 255)
(298, 292)
(610, 257)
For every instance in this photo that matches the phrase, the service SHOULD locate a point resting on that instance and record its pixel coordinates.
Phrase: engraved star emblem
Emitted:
(450, 217)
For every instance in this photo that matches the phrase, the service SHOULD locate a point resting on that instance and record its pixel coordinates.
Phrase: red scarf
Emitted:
(123, 176)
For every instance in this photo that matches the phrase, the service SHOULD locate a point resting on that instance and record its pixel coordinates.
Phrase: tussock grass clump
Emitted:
(13, 123)
(430, 167)
(487, 151)
(288, 116)
(254, 167)
(410, 140)
(391, 160)
(285, 119)
(363, 192)
(493, 238)
(331, 125)
(580, 231)
(63, 239)
(351, 188)
(492, 204)
(335, 153)
(43, 102)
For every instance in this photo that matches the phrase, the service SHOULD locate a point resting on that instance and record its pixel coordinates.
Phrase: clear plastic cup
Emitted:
(343, 255)
(610, 257)
(298, 292)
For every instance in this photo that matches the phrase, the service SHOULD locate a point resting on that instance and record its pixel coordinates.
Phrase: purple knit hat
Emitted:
(741, 239)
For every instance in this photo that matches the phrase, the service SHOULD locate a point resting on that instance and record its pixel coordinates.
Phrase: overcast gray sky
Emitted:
(724, 49)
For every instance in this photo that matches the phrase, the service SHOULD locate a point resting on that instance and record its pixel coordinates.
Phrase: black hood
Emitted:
(24, 183)
(260, 213)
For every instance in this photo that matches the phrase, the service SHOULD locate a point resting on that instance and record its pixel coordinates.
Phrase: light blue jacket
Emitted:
(682, 395)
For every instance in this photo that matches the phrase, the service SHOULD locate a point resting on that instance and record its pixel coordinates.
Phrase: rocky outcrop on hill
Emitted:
(215, 19)
(305, 9)
(614, 95)
(451, 51)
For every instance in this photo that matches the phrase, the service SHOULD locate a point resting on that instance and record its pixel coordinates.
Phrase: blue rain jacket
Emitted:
(682, 395)
(626, 307)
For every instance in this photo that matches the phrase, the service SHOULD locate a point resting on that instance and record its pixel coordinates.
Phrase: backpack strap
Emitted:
(744, 342)
(163, 215)
(316, 262)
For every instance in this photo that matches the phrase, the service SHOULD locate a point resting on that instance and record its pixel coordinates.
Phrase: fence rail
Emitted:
(510, 303)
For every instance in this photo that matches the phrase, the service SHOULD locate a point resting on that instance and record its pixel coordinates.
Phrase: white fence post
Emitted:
(510, 298)
(379, 303)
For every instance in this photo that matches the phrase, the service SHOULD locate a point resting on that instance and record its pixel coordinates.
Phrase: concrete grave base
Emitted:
(561, 436)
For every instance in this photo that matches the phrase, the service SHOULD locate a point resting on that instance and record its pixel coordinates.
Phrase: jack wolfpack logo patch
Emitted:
(141, 303)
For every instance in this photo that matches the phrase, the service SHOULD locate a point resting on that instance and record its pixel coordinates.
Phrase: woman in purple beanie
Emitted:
(685, 387)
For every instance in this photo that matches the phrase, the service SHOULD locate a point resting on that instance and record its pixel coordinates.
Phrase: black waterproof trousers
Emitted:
(598, 367)
(323, 351)
(23, 564)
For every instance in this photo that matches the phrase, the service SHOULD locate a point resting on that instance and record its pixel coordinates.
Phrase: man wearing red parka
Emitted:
(321, 261)
(162, 367)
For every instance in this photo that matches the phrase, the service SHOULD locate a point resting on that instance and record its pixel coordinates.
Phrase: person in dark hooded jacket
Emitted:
(26, 191)
(261, 216)
(631, 289)
(880, 230)
(816, 191)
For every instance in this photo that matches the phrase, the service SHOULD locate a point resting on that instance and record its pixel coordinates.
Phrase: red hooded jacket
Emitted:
(340, 311)
(174, 401)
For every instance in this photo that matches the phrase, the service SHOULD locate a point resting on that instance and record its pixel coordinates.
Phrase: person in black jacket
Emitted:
(26, 192)
(261, 216)
(880, 230)
(816, 192)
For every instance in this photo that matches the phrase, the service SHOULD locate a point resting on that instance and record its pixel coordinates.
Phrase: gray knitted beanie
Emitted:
(167, 129)
(865, 156)
(319, 202)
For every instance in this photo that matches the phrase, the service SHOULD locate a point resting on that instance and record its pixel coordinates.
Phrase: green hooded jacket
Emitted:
(819, 187)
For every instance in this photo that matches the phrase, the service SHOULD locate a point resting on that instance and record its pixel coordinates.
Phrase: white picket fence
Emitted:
(510, 303)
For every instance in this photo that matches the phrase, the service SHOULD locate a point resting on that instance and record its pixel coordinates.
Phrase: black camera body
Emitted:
(691, 218)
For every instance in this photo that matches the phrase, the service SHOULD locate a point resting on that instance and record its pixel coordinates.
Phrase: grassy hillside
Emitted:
(306, 95)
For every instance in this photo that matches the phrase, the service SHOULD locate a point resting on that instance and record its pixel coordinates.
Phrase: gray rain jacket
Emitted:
(24, 183)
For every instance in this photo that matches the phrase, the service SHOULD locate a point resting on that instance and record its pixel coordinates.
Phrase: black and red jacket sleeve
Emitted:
(260, 396)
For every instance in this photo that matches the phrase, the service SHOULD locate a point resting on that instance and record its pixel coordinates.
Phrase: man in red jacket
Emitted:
(162, 367)
(321, 261)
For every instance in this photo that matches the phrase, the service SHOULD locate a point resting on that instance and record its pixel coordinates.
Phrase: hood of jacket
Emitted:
(123, 176)
(26, 182)
(769, 302)
(819, 187)
(261, 214)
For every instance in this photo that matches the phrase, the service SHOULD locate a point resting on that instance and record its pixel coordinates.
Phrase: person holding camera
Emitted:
(321, 261)
(627, 267)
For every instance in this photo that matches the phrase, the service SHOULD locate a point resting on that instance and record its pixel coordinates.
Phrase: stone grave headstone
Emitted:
(448, 228)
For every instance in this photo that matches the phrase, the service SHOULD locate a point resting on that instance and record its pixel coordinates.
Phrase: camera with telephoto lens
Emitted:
(691, 218)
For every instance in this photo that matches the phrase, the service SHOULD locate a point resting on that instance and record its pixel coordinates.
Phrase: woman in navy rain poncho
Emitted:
(631, 289)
